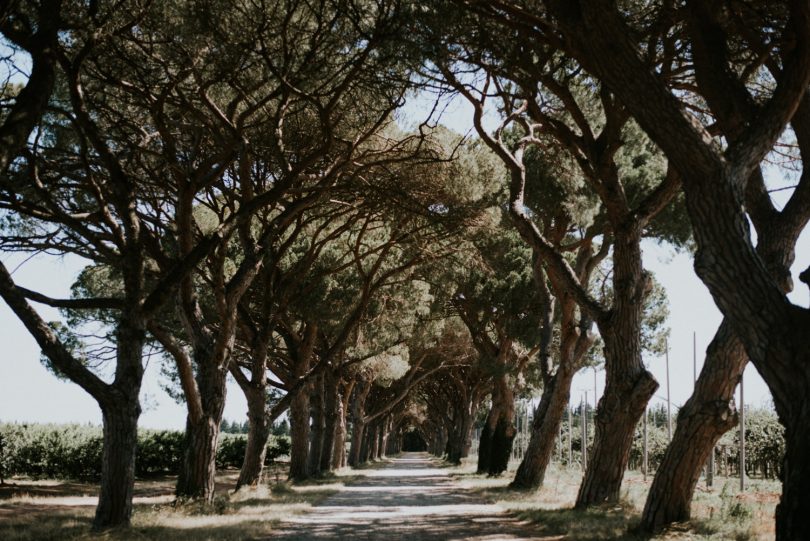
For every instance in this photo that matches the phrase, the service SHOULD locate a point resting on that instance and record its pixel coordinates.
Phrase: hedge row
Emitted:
(74, 451)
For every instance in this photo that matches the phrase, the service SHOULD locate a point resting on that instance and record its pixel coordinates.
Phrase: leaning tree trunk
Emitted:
(629, 385)
(197, 474)
(545, 429)
(708, 414)
(705, 417)
(259, 428)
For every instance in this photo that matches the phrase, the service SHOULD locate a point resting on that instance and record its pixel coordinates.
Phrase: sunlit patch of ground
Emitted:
(719, 513)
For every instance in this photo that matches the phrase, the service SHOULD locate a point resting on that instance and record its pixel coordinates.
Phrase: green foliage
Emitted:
(764, 443)
(159, 452)
(39, 451)
(74, 451)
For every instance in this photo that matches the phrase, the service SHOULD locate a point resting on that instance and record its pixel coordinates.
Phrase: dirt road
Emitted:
(409, 498)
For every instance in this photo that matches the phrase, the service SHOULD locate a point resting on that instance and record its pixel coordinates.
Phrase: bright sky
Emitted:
(29, 393)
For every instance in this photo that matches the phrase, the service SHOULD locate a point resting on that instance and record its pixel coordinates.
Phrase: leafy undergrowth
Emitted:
(232, 516)
(719, 513)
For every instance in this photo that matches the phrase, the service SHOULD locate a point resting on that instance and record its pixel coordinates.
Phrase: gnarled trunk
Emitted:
(618, 414)
(545, 429)
(704, 418)
(629, 386)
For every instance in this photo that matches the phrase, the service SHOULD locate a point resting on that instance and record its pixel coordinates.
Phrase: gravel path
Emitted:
(409, 498)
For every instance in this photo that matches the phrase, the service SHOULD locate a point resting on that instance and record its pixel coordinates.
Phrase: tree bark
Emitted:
(545, 428)
(485, 441)
(339, 457)
(629, 385)
(31, 101)
(705, 417)
(460, 437)
(772, 329)
(358, 434)
(331, 402)
(299, 436)
(259, 427)
(316, 447)
(197, 474)
(499, 431)
(118, 462)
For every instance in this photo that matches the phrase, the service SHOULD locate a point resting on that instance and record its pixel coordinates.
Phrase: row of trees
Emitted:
(247, 203)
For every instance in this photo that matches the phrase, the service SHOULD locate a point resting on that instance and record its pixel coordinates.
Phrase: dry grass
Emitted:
(49, 510)
(719, 513)
(42, 511)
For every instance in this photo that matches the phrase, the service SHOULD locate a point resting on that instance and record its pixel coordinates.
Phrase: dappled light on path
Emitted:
(409, 497)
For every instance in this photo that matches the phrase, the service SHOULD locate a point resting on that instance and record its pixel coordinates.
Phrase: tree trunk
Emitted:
(704, 418)
(365, 443)
(358, 434)
(384, 433)
(793, 510)
(617, 416)
(331, 400)
(629, 385)
(545, 428)
(485, 440)
(504, 434)
(318, 428)
(196, 479)
(339, 447)
(460, 436)
(374, 442)
(299, 435)
(118, 462)
(259, 428)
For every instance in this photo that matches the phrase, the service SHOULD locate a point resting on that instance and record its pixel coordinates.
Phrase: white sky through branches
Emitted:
(29, 393)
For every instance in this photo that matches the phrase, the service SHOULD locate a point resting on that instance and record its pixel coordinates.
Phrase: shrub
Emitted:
(159, 452)
(74, 451)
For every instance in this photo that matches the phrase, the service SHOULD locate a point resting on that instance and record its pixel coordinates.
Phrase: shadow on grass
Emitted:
(73, 527)
(245, 515)
(594, 524)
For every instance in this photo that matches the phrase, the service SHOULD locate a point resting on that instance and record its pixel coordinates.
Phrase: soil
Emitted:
(410, 497)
